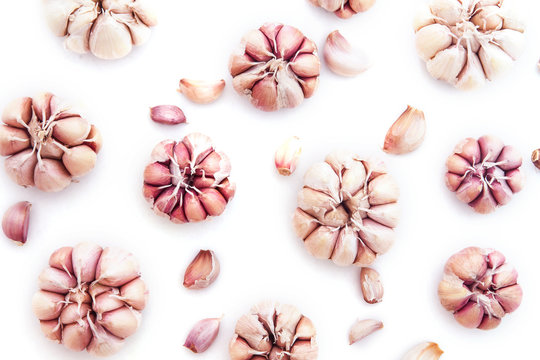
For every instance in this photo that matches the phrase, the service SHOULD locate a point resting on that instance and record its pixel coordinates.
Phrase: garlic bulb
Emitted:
(484, 173)
(465, 42)
(48, 144)
(347, 210)
(479, 288)
(90, 298)
(188, 181)
(274, 331)
(344, 8)
(276, 67)
(106, 28)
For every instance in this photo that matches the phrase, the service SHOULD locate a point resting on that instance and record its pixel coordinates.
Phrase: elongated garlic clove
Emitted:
(16, 221)
(372, 288)
(495, 60)
(342, 58)
(407, 133)
(202, 92)
(287, 156)
(202, 271)
(202, 335)
(167, 114)
(424, 351)
(363, 328)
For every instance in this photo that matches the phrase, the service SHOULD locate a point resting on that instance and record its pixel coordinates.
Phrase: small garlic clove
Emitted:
(287, 156)
(18, 112)
(342, 58)
(535, 158)
(116, 267)
(511, 41)
(470, 316)
(213, 202)
(422, 18)
(472, 76)
(287, 318)
(383, 190)
(240, 350)
(79, 160)
(346, 247)
(56, 280)
(303, 350)
(57, 13)
(289, 91)
(52, 330)
(321, 242)
(202, 271)
(73, 313)
(407, 133)
(288, 40)
(15, 222)
(252, 330)
(71, 131)
(449, 10)
(110, 39)
(424, 351)
(447, 64)
(105, 302)
(143, 10)
(202, 335)
(47, 305)
(77, 336)
(371, 285)
(363, 328)
(453, 295)
(202, 92)
(361, 5)
(330, 5)
(509, 297)
(488, 18)
(167, 114)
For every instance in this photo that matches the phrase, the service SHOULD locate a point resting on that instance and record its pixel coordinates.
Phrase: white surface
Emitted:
(260, 256)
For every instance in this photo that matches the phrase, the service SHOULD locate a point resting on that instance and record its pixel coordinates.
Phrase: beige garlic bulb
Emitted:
(465, 42)
(479, 288)
(274, 331)
(344, 8)
(347, 210)
(90, 298)
(188, 181)
(48, 144)
(107, 28)
(276, 67)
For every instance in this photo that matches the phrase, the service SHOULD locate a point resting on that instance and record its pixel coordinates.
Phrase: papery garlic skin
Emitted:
(47, 143)
(347, 209)
(77, 305)
(484, 173)
(479, 288)
(535, 158)
(407, 133)
(15, 222)
(344, 9)
(287, 155)
(274, 331)
(276, 67)
(424, 351)
(468, 42)
(202, 271)
(342, 58)
(107, 28)
(188, 181)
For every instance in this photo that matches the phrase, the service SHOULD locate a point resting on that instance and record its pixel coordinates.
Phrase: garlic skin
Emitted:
(108, 28)
(424, 351)
(479, 288)
(484, 173)
(363, 328)
(15, 222)
(202, 92)
(344, 9)
(535, 158)
(274, 331)
(202, 271)
(47, 144)
(202, 335)
(167, 114)
(407, 133)
(78, 305)
(347, 210)
(287, 155)
(275, 67)
(468, 42)
(188, 181)
(342, 58)
(371, 285)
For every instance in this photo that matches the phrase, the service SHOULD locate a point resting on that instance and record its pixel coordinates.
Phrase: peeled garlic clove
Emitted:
(79, 160)
(424, 351)
(287, 156)
(202, 335)
(110, 39)
(202, 92)
(372, 288)
(494, 60)
(431, 39)
(202, 271)
(342, 58)
(15, 222)
(167, 114)
(407, 133)
(116, 267)
(363, 328)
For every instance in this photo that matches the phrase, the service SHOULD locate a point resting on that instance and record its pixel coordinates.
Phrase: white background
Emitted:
(260, 256)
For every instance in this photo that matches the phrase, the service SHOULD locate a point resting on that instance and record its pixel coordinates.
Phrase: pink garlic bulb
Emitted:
(276, 67)
(347, 210)
(47, 144)
(479, 288)
(273, 331)
(484, 173)
(90, 298)
(188, 181)
(344, 8)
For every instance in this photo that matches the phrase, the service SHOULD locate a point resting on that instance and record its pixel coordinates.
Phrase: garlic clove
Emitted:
(511, 41)
(85, 257)
(77, 336)
(107, 301)
(323, 178)
(491, 147)
(140, 32)
(51, 329)
(198, 146)
(470, 316)
(73, 313)
(51, 150)
(251, 329)
(257, 46)
(289, 91)
(287, 155)
(135, 294)
(167, 114)
(387, 214)
(363, 328)
(456, 164)
(504, 276)
(378, 237)
(288, 40)
(15, 222)
(346, 247)
(202, 335)
(143, 10)
(122, 322)
(193, 208)
(304, 350)
(240, 350)
(495, 60)
(321, 242)
(71, 131)
(489, 323)
(371, 285)
(212, 201)
(216, 164)
(264, 94)
(472, 76)
(488, 18)
(56, 280)
(304, 224)
(157, 174)
(109, 39)
(361, 5)
(365, 256)
(431, 39)
(12, 140)
(447, 64)
(407, 133)
(239, 63)
(18, 112)
(342, 58)
(309, 85)
(202, 92)
(345, 12)
(424, 351)
(79, 28)
(79, 160)
(469, 264)
(515, 179)
(103, 343)
(306, 65)
(287, 318)
(510, 158)
(21, 167)
(383, 190)
(330, 5)
(509, 297)
(57, 13)
(41, 104)
(47, 305)
(202, 271)
(449, 10)
(453, 295)
(116, 267)
(422, 18)
(470, 189)
(94, 140)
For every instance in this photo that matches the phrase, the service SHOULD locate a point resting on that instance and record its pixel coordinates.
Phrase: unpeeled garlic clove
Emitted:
(202, 92)
(109, 39)
(363, 328)
(535, 158)
(15, 222)
(407, 133)
(202, 335)
(372, 288)
(287, 156)
(342, 58)
(202, 271)
(116, 267)
(51, 176)
(424, 351)
(167, 114)
(79, 160)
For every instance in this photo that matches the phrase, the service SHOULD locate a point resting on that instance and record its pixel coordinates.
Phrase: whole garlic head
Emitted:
(188, 181)
(90, 298)
(347, 210)
(344, 8)
(107, 28)
(48, 144)
(276, 67)
(274, 331)
(465, 42)
(479, 288)
(484, 173)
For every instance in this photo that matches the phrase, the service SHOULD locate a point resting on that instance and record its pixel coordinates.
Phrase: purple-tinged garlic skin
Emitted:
(202, 271)
(479, 288)
(484, 173)
(344, 9)
(347, 210)
(274, 331)
(47, 144)
(15, 222)
(276, 67)
(90, 298)
(188, 181)
(202, 335)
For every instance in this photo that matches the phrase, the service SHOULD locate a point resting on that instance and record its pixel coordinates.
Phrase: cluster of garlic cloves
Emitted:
(479, 288)
(276, 67)
(465, 42)
(48, 144)
(188, 181)
(347, 210)
(107, 28)
(344, 8)
(90, 298)
(484, 173)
